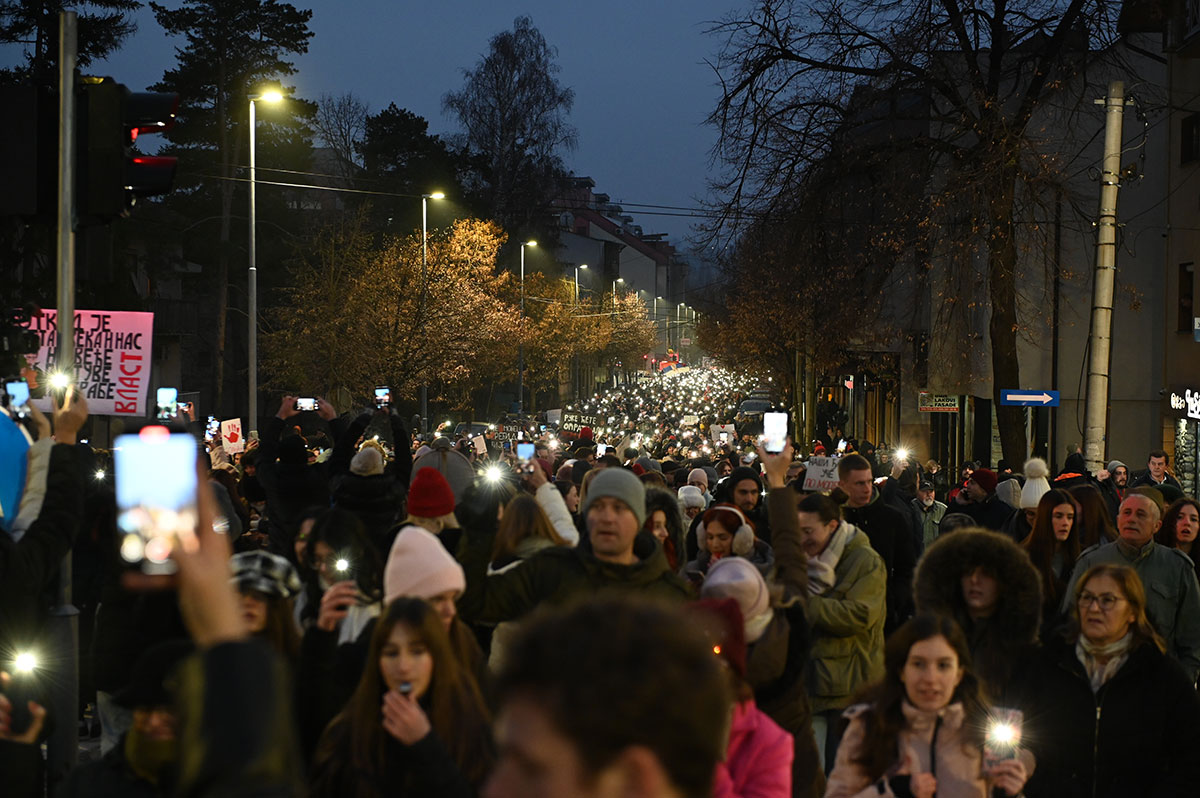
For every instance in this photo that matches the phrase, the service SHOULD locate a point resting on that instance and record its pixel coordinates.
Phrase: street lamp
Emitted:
(577, 268)
(618, 280)
(437, 195)
(521, 348)
(269, 96)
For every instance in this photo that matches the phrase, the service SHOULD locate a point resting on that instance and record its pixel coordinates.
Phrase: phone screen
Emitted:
(307, 403)
(212, 428)
(525, 451)
(383, 396)
(18, 392)
(601, 449)
(156, 496)
(167, 400)
(774, 431)
(724, 437)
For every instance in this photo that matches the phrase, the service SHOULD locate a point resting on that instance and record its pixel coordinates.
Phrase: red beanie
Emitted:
(725, 629)
(430, 495)
(986, 479)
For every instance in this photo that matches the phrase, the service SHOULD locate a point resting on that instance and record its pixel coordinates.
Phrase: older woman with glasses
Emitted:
(1116, 716)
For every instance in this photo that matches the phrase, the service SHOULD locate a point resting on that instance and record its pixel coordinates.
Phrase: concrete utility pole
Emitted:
(1100, 338)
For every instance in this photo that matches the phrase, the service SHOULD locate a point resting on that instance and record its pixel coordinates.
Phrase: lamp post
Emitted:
(270, 96)
(618, 280)
(577, 268)
(424, 283)
(657, 299)
(521, 348)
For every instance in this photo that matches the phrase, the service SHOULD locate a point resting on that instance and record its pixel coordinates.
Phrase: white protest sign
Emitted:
(231, 436)
(821, 474)
(112, 358)
(689, 421)
(728, 429)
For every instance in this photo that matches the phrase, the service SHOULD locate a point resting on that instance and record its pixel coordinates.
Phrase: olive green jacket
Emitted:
(847, 624)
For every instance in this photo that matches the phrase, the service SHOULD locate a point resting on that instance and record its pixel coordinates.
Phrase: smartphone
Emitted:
(167, 400)
(212, 429)
(383, 397)
(724, 437)
(525, 451)
(601, 449)
(774, 432)
(306, 403)
(22, 688)
(156, 496)
(18, 397)
(1003, 739)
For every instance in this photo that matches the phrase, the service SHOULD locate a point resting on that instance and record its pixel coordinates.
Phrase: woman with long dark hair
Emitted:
(1094, 521)
(1053, 547)
(416, 724)
(1180, 526)
(921, 729)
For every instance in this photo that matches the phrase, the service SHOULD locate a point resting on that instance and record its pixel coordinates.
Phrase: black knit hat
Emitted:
(148, 683)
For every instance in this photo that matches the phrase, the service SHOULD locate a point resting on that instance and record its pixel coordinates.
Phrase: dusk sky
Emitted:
(642, 87)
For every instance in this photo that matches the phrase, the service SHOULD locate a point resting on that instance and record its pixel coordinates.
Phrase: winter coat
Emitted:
(930, 518)
(776, 662)
(558, 574)
(758, 758)
(958, 767)
(1136, 736)
(991, 513)
(1113, 496)
(375, 500)
(1002, 645)
(108, 777)
(1172, 593)
(291, 488)
(504, 632)
(888, 532)
(1144, 480)
(424, 769)
(847, 624)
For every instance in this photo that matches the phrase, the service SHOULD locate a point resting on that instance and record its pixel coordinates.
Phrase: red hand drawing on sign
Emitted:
(233, 436)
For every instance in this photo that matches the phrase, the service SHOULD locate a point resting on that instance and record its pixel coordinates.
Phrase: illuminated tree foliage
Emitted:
(896, 127)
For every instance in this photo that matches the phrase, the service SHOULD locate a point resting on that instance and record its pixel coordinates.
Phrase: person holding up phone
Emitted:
(921, 731)
(26, 564)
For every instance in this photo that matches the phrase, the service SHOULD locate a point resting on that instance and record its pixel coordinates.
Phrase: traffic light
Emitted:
(112, 174)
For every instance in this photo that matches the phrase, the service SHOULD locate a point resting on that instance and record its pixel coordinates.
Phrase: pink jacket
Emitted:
(959, 770)
(758, 760)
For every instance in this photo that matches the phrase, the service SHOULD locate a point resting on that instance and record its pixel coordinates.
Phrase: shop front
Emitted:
(1182, 406)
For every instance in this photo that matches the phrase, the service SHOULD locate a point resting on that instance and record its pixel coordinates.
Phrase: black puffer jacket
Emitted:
(1136, 736)
(376, 500)
(1002, 645)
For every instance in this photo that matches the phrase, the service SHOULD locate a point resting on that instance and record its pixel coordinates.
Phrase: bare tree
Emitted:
(341, 125)
(807, 84)
(514, 114)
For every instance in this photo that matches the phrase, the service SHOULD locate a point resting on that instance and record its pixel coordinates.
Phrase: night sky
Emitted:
(642, 87)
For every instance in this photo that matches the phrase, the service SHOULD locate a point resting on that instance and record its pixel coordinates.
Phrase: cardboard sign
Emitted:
(112, 358)
(231, 436)
(821, 474)
(729, 429)
(480, 444)
(574, 422)
(689, 421)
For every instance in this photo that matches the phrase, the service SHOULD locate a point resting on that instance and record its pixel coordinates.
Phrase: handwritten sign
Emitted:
(730, 432)
(112, 358)
(574, 422)
(821, 474)
(231, 436)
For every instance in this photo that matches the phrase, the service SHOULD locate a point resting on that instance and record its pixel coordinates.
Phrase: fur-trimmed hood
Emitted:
(1014, 625)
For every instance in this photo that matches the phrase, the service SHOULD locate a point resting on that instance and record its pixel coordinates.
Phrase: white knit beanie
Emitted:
(1036, 484)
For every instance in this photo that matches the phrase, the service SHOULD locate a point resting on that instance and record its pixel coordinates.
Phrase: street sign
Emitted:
(1029, 398)
(1196, 329)
(936, 403)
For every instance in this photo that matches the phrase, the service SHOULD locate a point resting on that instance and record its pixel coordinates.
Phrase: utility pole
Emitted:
(1100, 337)
(62, 669)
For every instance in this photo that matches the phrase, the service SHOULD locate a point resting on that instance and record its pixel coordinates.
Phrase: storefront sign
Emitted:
(1183, 403)
(936, 403)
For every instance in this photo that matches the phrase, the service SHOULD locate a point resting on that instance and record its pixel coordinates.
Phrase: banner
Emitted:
(821, 474)
(231, 436)
(574, 422)
(112, 358)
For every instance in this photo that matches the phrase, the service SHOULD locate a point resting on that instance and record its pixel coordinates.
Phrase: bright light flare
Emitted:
(1003, 734)
(59, 380)
(493, 474)
(342, 565)
(271, 96)
(25, 662)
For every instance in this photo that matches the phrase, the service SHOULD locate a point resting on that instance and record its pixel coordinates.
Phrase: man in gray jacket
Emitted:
(1172, 593)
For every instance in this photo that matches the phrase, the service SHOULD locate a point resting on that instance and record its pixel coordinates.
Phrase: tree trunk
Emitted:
(1002, 261)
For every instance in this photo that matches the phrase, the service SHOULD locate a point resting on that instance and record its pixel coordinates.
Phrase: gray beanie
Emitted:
(1113, 465)
(691, 496)
(617, 483)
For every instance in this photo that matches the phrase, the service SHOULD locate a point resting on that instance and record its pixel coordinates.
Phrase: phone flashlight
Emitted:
(902, 454)
(493, 474)
(342, 565)
(25, 662)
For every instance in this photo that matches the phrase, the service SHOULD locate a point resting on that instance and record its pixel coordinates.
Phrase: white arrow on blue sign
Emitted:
(1029, 398)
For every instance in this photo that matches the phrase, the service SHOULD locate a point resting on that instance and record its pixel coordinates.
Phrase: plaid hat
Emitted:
(266, 573)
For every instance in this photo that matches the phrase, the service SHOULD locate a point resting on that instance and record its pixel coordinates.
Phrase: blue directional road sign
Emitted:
(1029, 398)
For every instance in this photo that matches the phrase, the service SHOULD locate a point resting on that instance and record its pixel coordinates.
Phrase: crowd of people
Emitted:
(367, 611)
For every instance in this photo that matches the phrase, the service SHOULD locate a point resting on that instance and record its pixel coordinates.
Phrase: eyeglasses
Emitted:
(1106, 601)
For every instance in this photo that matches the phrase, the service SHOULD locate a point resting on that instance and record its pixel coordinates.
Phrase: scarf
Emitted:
(821, 569)
(149, 759)
(1114, 655)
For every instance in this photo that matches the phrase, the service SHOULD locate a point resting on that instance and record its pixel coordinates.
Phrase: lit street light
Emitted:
(618, 280)
(268, 96)
(521, 349)
(577, 268)
(437, 195)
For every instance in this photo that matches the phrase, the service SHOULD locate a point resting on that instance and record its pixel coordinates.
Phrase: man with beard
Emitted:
(1114, 484)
